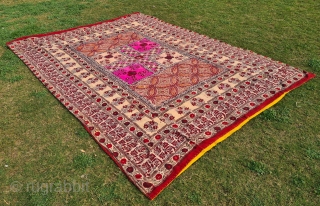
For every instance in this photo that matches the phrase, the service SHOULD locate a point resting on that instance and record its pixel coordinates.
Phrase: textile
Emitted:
(154, 96)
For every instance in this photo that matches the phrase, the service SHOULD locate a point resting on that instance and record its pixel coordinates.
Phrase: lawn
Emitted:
(47, 157)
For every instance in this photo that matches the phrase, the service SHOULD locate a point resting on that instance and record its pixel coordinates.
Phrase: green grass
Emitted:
(314, 64)
(256, 167)
(82, 161)
(313, 154)
(273, 160)
(279, 115)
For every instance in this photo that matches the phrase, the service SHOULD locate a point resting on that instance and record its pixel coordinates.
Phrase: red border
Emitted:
(199, 148)
(203, 145)
(70, 29)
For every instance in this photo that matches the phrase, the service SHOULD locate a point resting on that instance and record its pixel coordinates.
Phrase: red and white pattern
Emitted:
(154, 95)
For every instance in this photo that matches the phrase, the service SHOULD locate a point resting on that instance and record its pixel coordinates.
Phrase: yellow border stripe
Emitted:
(230, 132)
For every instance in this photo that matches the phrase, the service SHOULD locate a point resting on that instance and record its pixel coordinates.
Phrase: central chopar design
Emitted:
(153, 70)
(173, 81)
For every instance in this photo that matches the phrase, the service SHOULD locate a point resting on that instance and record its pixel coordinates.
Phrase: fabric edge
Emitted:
(201, 150)
(70, 29)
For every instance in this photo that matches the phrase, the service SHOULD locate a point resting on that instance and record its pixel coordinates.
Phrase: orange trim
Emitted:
(225, 136)
(205, 146)
(230, 133)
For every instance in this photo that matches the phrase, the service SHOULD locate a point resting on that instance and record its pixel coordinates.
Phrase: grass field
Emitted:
(272, 160)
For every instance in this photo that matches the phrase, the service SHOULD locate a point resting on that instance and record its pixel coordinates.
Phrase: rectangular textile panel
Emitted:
(154, 96)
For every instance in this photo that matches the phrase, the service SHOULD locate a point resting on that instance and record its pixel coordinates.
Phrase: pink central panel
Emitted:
(132, 73)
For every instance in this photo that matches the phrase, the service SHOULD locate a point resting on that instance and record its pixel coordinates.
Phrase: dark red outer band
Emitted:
(199, 148)
(71, 29)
